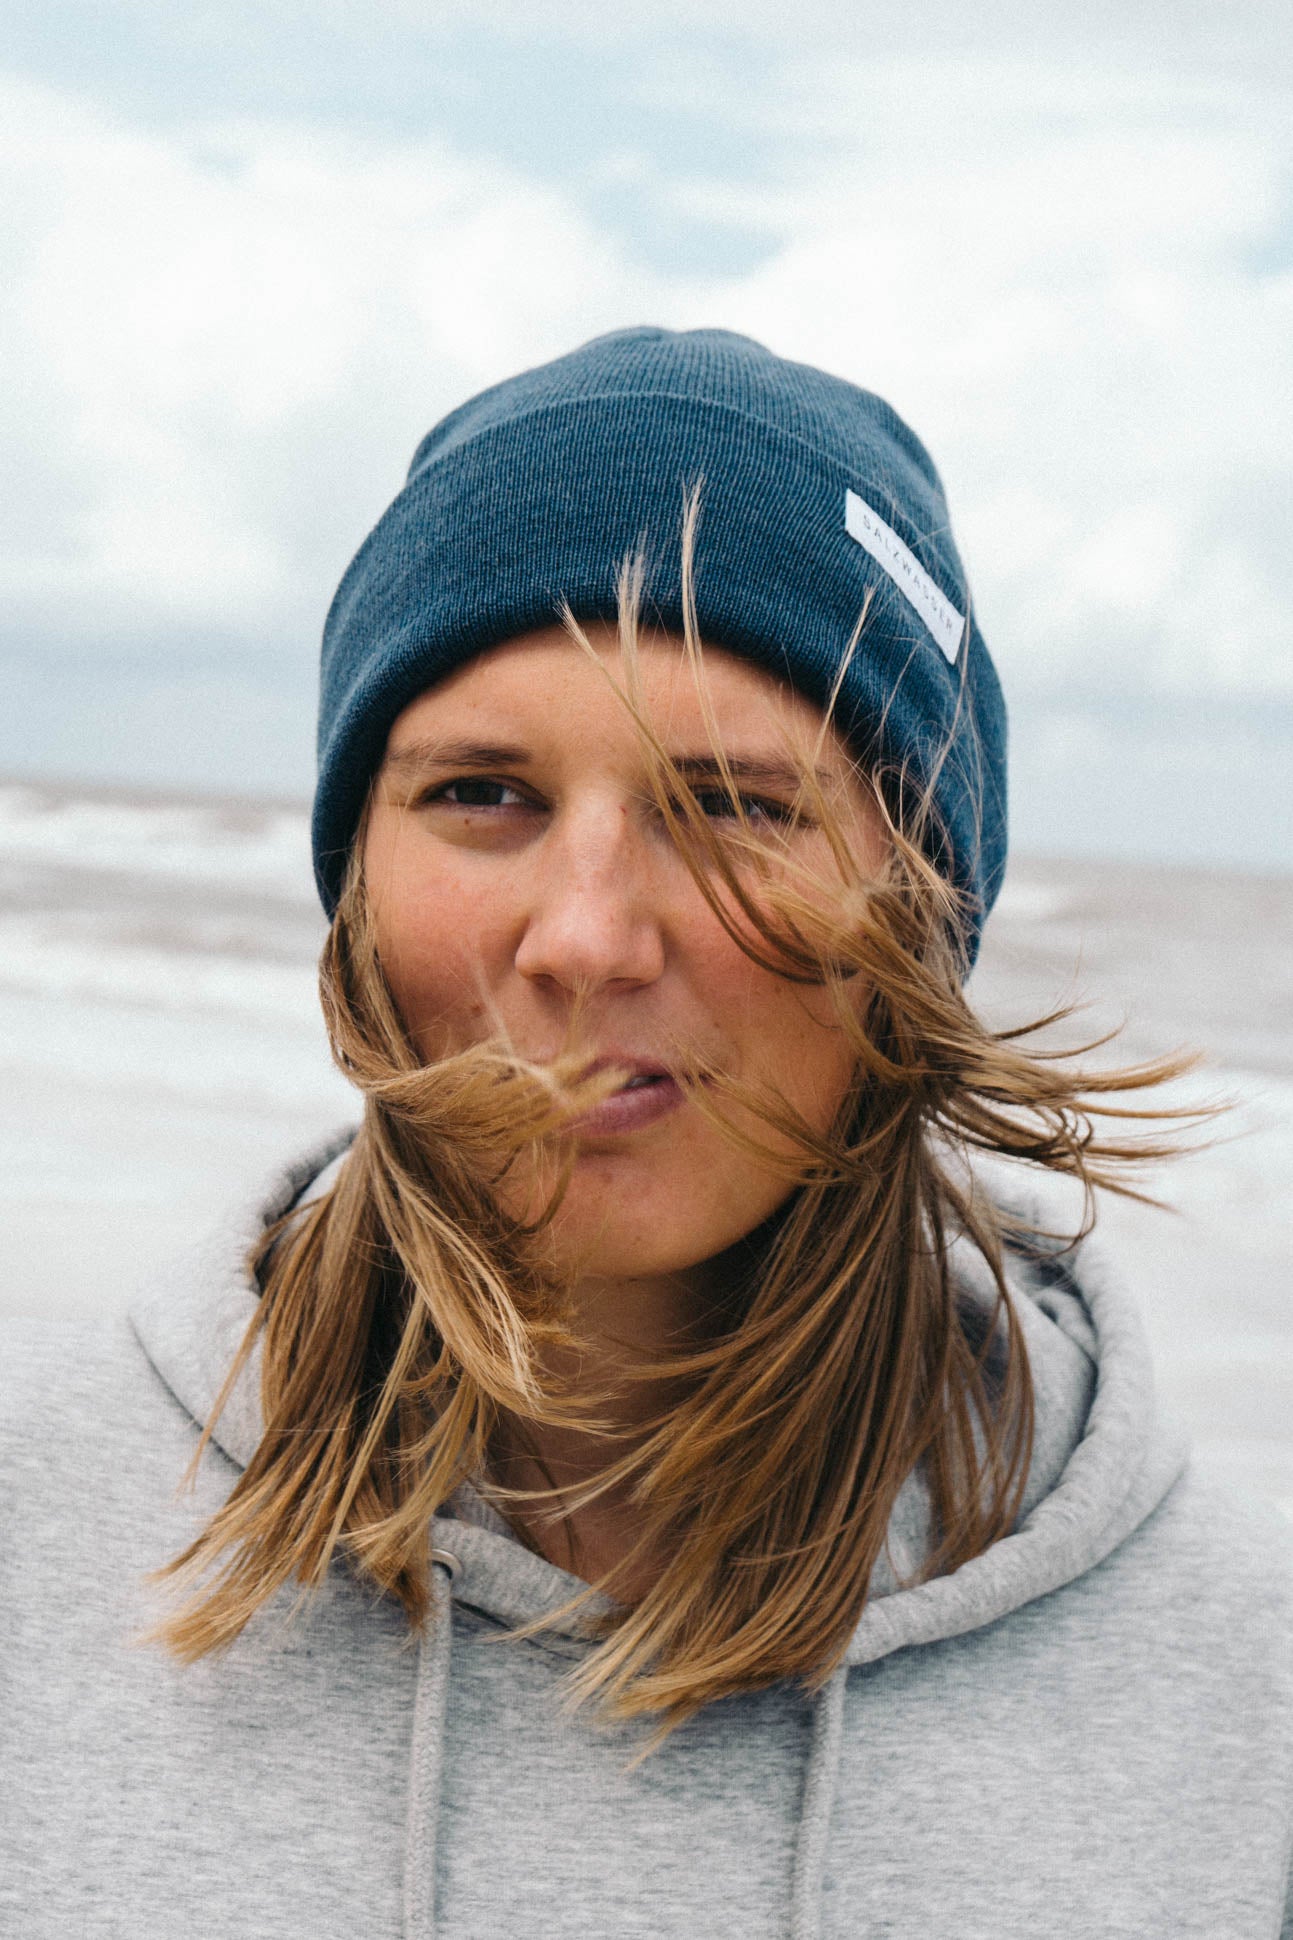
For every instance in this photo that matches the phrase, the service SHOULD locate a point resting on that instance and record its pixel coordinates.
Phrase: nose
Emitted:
(593, 920)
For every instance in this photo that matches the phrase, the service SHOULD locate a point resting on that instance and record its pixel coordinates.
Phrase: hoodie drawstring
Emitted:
(427, 1761)
(427, 1758)
(820, 1781)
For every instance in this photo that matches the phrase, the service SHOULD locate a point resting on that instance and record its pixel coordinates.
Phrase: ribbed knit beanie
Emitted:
(815, 501)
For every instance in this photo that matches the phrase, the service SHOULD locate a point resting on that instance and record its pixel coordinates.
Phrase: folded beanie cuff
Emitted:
(519, 506)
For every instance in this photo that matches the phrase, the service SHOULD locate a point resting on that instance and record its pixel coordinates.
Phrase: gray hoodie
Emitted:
(1087, 1731)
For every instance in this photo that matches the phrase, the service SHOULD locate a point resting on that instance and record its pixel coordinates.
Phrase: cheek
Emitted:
(784, 1035)
(440, 938)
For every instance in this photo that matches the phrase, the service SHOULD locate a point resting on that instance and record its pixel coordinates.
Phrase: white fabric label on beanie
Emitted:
(906, 572)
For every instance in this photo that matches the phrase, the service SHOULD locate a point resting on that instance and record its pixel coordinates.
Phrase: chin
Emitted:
(599, 1230)
(637, 1214)
(606, 1252)
(620, 1229)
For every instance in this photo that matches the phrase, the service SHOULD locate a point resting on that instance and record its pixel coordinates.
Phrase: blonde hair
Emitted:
(406, 1314)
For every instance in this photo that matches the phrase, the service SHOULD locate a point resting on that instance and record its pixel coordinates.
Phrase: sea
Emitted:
(161, 1053)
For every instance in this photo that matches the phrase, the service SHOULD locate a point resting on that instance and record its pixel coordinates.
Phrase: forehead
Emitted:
(547, 683)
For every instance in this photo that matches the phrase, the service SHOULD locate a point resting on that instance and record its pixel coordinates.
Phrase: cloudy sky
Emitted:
(248, 254)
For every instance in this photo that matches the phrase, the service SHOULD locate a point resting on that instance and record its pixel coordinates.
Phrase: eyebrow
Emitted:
(457, 754)
(758, 771)
(752, 770)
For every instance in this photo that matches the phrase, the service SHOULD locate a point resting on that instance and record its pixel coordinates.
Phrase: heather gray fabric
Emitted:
(1086, 1732)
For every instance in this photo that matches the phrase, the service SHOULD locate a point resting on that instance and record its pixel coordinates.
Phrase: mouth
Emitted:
(649, 1093)
(638, 1072)
(641, 1079)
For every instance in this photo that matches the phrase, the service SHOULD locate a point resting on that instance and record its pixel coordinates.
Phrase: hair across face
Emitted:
(523, 884)
(589, 858)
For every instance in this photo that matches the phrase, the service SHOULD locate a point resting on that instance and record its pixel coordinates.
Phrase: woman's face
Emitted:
(520, 875)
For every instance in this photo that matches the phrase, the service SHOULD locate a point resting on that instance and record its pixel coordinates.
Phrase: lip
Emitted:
(635, 1105)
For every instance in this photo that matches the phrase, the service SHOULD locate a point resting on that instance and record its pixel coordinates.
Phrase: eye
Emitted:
(760, 810)
(478, 791)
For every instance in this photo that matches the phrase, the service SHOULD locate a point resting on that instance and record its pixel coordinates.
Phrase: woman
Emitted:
(643, 1481)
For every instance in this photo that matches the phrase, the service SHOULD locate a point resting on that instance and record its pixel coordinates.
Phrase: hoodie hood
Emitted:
(1100, 1465)
(1102, 1458)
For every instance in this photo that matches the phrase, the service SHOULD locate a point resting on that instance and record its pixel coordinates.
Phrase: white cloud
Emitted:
(1248, 38)
(228, 343)
(223, 343)
(1066, 305)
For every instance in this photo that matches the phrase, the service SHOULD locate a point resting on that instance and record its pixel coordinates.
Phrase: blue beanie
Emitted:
(814, 498)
